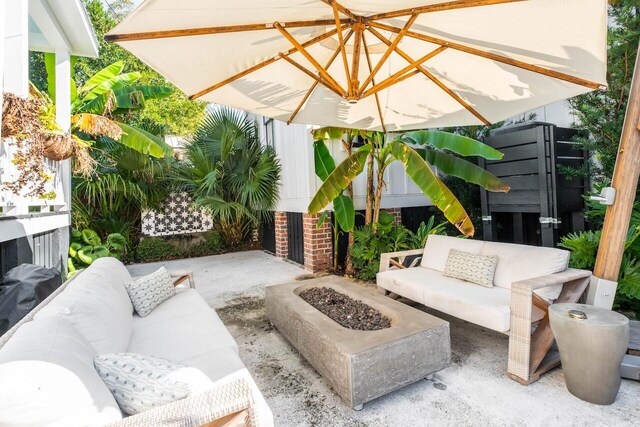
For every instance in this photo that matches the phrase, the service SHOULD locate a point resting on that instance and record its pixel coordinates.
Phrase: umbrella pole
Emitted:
(617, 218)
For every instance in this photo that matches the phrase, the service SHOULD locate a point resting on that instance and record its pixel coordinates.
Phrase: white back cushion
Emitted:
(437, 250)
(520, 262)
(47, 377)
(97, 304)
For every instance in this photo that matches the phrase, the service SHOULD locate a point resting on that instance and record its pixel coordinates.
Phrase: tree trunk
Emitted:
(348, 263)
(368, 214)
(378, 198)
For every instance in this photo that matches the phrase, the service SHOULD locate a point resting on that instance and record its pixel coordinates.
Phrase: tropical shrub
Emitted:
(155, 248)
(227, 171)
(87, 246)
(370, 243)
(584, 249)
(418, 151)
(160, 249)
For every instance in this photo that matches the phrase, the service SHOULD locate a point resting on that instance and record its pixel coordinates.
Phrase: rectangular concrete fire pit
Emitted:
(360, 365)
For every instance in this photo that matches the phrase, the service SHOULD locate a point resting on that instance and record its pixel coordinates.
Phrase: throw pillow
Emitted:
(139, 382)
(150, 291)
(478, 269)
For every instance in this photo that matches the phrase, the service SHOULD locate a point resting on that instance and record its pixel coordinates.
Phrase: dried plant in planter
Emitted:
(20, 116)
(33, 174)
(22, 122)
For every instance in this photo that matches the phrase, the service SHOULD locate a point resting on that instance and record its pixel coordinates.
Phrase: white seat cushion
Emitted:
(410, 282)
(521, 262)
(488, 307)
(437, 250)
(183, 329)
(47, 378)
(97, 305)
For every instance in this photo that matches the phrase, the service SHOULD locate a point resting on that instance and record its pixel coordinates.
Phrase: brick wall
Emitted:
(318, 245)
(396, 213)
(282, 243)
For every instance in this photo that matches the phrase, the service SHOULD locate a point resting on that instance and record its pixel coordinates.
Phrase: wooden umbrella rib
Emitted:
(388, 52)
(261, 65)
(355, 60)
(433, 78)
(343, 50)
(310, 58)
(319, 79)
(341, 8)
(163, 34)
(495, 57)
(366, 53)
(315, 83)
(399, 75)
(462, 4)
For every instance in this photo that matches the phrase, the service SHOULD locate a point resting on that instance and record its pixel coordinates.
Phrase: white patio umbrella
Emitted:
(374, 64)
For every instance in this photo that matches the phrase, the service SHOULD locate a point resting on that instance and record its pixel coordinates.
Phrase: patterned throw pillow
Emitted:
(150, 291)
(139, 382)
(472, 268)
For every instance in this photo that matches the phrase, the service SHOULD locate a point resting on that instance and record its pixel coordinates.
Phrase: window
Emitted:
(268, 132)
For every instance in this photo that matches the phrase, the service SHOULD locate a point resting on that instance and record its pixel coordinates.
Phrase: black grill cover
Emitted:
(22, 289)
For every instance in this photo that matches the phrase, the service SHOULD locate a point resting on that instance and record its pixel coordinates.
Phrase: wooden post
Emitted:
(625, 181)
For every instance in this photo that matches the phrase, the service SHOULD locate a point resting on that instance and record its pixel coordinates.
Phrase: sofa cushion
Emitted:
(520, 262)
(478, 269)
(150, 291)
(437, 250)
(140, 382)
(47, 378)
(97, 305)
(182, 329)
(488, 307)
(185, 329)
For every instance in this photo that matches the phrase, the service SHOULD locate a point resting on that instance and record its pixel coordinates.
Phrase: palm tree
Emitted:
(230, 173)
(434, 148)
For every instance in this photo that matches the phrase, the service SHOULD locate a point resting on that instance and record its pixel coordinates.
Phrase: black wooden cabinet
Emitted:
(543, 204)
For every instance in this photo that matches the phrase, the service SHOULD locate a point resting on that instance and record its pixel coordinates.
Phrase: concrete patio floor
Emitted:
(474, 390)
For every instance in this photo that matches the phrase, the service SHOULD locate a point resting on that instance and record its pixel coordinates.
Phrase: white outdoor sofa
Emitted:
(46, 361)
(527, 280)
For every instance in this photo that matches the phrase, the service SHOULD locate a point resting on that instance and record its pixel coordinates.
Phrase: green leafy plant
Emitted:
(369, 243)
(155, 248)
(584, 249)
(227, 171)
(418, 151)
(87, 246)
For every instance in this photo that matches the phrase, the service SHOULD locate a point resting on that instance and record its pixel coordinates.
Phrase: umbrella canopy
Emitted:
(374, 64)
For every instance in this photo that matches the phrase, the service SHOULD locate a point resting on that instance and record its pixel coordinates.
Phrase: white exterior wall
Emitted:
(558, 113)
(18, 218)
(294, 147)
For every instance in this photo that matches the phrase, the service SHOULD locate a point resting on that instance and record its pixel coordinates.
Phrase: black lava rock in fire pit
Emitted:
(346, 311)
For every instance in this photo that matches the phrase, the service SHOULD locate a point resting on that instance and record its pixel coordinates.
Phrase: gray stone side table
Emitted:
(591, 349)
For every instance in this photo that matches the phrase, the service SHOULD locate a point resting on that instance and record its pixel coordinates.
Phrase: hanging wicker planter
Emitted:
(58, 147)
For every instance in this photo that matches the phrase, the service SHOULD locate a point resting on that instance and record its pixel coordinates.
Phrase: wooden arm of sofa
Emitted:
(229, 404)
(529, 352)
(180, 276)
(387, 259)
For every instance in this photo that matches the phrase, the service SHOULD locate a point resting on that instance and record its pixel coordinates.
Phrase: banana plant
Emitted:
(108, 94)
(419, 152)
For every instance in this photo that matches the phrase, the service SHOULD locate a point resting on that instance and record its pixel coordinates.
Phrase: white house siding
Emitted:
(63, 28)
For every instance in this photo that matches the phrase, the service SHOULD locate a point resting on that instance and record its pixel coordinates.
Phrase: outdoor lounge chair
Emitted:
(527, 280)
